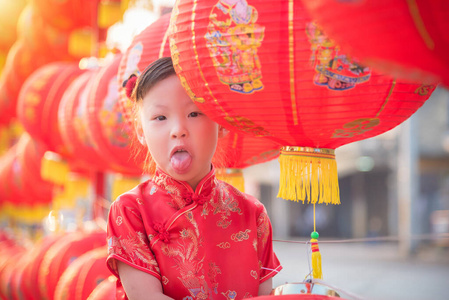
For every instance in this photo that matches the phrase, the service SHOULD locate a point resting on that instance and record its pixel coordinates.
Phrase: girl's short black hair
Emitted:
(157, 71)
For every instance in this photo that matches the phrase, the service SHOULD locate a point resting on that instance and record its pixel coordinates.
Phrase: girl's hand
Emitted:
(266, 287)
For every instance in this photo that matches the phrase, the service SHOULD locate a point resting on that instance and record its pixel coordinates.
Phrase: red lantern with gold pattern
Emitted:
(39, 99)
(266, 68)
(83, 275)
(408, 39)
(106, 123)
(61, 254)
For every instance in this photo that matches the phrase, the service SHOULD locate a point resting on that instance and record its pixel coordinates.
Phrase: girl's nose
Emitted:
(179, 130)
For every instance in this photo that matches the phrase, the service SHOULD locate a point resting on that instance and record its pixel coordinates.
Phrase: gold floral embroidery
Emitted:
(185, 256)
(214, 270)
(254, 274)
(119, 220)
(171, 188)
(136, 249)
(223, 223)
(224, 245)
(263, 227)
(225, 204)
(165, 280)
(230, 295)
(240, 236)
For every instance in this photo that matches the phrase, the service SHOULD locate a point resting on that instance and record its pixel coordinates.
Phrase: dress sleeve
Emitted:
(268, 261)
(127, 238)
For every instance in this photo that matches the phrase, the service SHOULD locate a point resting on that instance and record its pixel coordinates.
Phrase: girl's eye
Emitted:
(160, 118)
(194, 114)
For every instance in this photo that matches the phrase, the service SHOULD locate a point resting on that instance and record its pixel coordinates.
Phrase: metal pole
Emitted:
(408, 184)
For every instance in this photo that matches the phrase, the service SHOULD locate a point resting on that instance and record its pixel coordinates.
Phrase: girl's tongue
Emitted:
(180, 161)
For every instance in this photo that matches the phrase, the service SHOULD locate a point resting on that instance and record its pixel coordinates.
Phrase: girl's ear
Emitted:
(139, 131)
(222, 132)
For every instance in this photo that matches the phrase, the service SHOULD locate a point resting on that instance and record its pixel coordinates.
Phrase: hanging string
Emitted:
(314, 219)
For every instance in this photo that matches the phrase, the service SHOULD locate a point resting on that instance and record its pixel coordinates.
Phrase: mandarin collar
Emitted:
(201, 193)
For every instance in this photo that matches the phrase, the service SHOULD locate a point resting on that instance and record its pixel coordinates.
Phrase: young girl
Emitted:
(184, 234)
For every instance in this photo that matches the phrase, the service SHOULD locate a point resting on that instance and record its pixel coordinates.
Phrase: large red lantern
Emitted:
(409, 39)
(236, 150)
(106, 124)
(83, 275)
(39, 99)
(61, 254)
(264, 67)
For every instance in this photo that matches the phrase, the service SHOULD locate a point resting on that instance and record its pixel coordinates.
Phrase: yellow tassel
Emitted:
(317, 272)
(123, 184)
(232, 176)
(54, 169)
(308, 173)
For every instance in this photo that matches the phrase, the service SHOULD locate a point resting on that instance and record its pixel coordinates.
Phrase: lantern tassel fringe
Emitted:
(308, 173)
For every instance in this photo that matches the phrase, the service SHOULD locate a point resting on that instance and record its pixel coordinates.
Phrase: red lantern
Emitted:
(20, 63)
(83, 275)
(106, 124)
(408, 39)
(8, 260)
(30, 286)
(61, 254)
(266, 68)
(39, 100)
(106, 290)
(72, 122)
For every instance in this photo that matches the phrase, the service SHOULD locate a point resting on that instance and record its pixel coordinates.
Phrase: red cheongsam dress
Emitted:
(212, 243)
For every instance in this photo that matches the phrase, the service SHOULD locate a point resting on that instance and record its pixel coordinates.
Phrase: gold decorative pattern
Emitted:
(416, 16)
(291, 59)
(356, 127)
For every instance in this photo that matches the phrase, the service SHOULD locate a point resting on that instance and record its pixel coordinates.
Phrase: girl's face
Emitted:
(180, 138)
